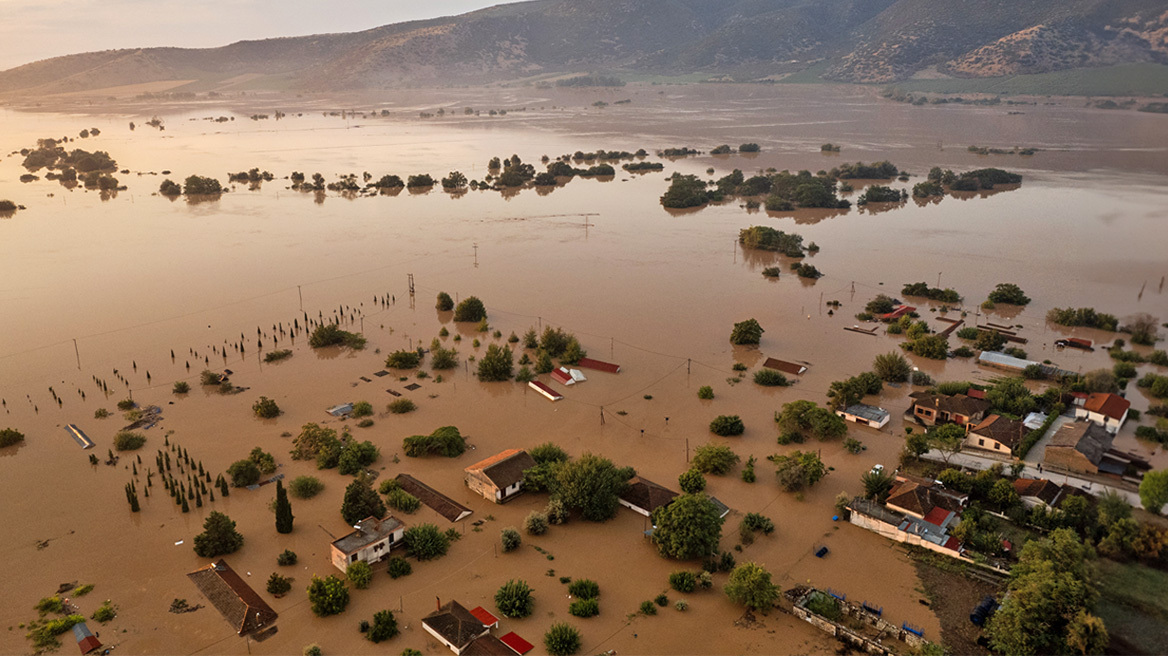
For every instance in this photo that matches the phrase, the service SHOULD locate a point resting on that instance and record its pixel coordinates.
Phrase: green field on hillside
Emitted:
(1123, 80)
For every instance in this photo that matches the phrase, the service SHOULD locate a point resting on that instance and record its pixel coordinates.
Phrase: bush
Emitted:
(1008, 293)
(511, 540)
(746, 332)
(584, 589)
(683, 581)
(276, 356)
(496, 364)
(470, 309)
(892, 367)
(279, 585)
(402, 406)
(181, 387)
(105, 612)
(714, 459)
(426, 542)
(584, 608)
(305, 487)
(287, 558)
(705, 392)
(399, 567)
(360, 573)
(313, 650)
(10, 436)
(691, 481)
(562, 640)
(404, 501)
(128, 441)
(265, 408)
(727, 425)
(514, 600)
(332, 335)
(446, 441)
(648, 608)
(445, 303)
(244, 472)
(536, 523)
(403, 360)
(384, 626)
(770, 378)
(328, 596)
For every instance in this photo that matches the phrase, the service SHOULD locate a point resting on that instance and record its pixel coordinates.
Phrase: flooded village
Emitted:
(560, 416)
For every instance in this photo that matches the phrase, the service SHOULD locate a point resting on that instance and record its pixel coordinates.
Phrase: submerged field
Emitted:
(137, 276)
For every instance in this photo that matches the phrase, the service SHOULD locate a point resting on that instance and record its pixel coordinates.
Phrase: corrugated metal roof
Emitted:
(999, 359)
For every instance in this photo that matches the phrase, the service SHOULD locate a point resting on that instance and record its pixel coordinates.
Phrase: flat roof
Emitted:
(368, 531)
(869, 412)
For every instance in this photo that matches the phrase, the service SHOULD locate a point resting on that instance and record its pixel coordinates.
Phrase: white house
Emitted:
(369, 542)
(868, 415)
(1107, 410)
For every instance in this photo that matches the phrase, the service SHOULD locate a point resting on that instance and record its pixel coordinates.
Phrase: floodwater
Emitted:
(135, 276)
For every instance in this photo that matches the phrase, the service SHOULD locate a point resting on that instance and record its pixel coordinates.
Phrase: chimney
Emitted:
(439, 600)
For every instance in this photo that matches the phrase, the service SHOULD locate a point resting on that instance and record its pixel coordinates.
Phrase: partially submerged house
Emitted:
(1107, 410)
(644, 496)
(566, 376)
(898, 312)
(435, 500)
(454, 626)
(545, 391)
(930, 531)
(1038, 492)
(923, 499)
(1080, 446)
(867, 415)
(370, 542)
(500, 477)
(241, 606)
(934, 409)
(342, 410)
(793, 368)
(86, 641)
(598, 365)
(996, 433)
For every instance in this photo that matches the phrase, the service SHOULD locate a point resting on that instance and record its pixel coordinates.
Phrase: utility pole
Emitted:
(78, 352)
(301, 292)
(410, 278)
(476, 254)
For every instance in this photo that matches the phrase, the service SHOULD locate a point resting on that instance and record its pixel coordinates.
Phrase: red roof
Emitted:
(517, 644)
(1111, 405)
(547, 391)
(88, 644)
(975, 394)
(483, 615)
(589, 363)
(899, 312)
(562, 376)
(1080, 395)
(937, 516)
(953, 544)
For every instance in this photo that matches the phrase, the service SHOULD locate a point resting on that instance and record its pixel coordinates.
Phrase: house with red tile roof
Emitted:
(1106, 409)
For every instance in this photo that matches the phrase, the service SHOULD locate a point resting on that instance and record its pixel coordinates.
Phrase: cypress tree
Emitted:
(135, 467)
(186, 506)
(198, 499)
(283, 510)
(211, 494)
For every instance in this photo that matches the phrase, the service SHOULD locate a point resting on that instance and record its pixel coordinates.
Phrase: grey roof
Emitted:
(999, 359)
(1086, 437)
(647, 495)
(368, 531)
(455, 623)
(723, 509)
(869, 412)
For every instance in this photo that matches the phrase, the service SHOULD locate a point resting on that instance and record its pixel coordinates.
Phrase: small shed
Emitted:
(340, 410)
(566, 376)
(86, 641)
(545, 391)
(785, 367)
(589, 363)
(517, 644)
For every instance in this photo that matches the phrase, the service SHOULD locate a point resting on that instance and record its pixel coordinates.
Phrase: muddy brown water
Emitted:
(137, 275)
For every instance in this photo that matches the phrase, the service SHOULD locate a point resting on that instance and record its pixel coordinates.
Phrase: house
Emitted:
(488, 645)
(721, 508)
(435, 500)
(1038, 492)
(934, 409)
(547, 392)
(566, 376)
(341, 410)
(370, 542)
(589, 363)
(996, 433)
(454, 626)
(1107, 410)
(897, 313)
(86, 641)
(922, 499)
(930, 532)
(1078, 446)
(499, 477)
(241, 606)
(868, 415)
(644, 496)
(792, 368)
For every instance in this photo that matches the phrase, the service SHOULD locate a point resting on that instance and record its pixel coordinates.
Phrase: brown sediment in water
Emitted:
(134, 277)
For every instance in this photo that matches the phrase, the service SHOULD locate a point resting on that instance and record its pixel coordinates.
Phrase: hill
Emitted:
(867, 41)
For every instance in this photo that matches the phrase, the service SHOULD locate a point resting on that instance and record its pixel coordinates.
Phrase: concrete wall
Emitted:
(849, 636)
(480, 484)
(893, 533)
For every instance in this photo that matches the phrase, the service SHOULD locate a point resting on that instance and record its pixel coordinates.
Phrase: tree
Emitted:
(266, 408)
(1144, 329)
(798, 470)
(361, 501)
(562, 639)
(1009, 293)
(283, 510)
(934, 347)
(445, 303)
(1003, 495)
(511, 539)
(445, 440)
(514, 599)
(470, 309)
(170, 188)
(305, 487)
(279, 585)
(536, 523)
(746, 332)
(807, 417)
(1154, 490)
(328, 596)
(496, 364)
(946, 439)
(714, 459)
(1086, 634)
(1011, 396)
(425, 542)
(750, 585)
(1112, 507)
(689, 527)
(691, 481)
(312, 440)
(384, 626)
(456, 180)
(591, 485)
(360, 573)
(877, 485)
(218, 537)
(892, 367)
(356, 456)
(915, 444)
(197, 185)
(10, 436)
(727, 425)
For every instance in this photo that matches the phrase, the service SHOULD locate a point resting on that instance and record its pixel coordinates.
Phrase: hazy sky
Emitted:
(38, 29)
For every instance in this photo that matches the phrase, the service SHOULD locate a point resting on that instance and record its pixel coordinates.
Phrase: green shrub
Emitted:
(105, 612)
(279, 585)
(384, 626)
(276, 356)
(727, 425)
(332, 335)
(10, 436)
(648, 607)
(683, 581)
(403, 359)
(399, 567)
(287, 558)
(514, 599)
(584, 589)
(126, 404)
(714, 459)
(361, 409)
(770, 378)
(244, 472)
(511, 539)
(426, 542)
(562, 640)
(181, 387)
(404, 501)
(584, 608)
(265, 408)
(470, 309)
(446, 441)
(128, 441)
(661, 600)
(746, 332)
(360, 573)
(705, 392)
(536, 523)
(305, 487)
(444, 303)
(328, 596)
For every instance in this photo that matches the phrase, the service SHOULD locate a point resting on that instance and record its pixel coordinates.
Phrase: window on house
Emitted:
(980, 442)
(997, 446)
(353, 558)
